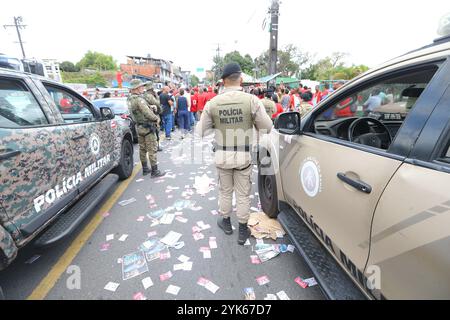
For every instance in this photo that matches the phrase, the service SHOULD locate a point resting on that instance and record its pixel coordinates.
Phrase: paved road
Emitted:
(229, 268)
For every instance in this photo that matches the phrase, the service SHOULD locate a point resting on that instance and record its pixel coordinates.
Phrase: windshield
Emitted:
(119, 106)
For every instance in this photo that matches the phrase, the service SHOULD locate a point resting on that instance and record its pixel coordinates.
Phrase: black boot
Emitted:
(159, 148)
(244, 233)
(225, 225)
(145, 169)
(156, 173)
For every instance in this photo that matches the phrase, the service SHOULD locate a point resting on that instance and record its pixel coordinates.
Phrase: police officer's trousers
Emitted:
(148, 144)
(238, 181)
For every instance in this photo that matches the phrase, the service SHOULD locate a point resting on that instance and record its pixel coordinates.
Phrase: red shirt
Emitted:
(194, 101)
(345, 112)
(65, 104)
(279, 110)
(201, 101)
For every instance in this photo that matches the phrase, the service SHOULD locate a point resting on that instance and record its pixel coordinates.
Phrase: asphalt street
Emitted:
(98, 260)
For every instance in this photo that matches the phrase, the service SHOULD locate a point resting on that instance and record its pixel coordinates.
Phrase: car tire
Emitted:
(126, 163)
(267, 189)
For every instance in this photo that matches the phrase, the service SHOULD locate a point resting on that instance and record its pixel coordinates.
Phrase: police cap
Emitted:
(231, 68)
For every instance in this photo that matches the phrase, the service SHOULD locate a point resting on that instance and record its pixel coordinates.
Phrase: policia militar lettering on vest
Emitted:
(233, 120)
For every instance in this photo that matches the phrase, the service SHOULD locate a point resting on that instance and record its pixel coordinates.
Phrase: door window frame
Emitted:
(26, 86)
(92, 109)
(415, 121)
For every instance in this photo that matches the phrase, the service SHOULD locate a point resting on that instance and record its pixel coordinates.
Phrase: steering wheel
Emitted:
(362, 131)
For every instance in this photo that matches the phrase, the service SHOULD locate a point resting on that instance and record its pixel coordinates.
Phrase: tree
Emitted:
(98, 61)
(290, 60)
(246, 62)
(194, 80)
(68, 66)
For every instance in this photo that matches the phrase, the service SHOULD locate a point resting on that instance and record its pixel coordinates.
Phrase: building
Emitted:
(148, 68)
(51, 69)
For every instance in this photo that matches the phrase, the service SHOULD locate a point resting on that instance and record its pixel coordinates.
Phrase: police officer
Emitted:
(153, 101)
(233, 114)
(147, 122)
(269, 105)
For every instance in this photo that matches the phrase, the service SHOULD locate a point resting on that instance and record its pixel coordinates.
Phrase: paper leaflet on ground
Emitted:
(133, 264)
(266, 252)
(203, 184)
(153, 248)
(264, 227)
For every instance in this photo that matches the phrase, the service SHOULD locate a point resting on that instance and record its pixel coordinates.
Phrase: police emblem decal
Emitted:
(94, 143)
(310, 177)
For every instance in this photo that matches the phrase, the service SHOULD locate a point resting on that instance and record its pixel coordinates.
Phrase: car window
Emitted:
(18, 106)
(387, 102)
(72, 109)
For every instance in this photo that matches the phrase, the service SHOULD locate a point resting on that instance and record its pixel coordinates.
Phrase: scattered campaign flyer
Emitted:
(173, 290)
(183, 258)
(123, 237)
(262, 280)
(156, 215)
(212, 243)
(301, 283)
(147, 283)
(283, 295)
(167, 218)
(165, 276)
(127, 202)
(311, 282)
(249, 294)
(133, 264)
(152, 249)
(171, 238)
(112, 286)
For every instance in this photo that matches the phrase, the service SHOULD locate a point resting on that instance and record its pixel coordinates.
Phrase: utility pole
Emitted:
(18, 25)
(274, 12)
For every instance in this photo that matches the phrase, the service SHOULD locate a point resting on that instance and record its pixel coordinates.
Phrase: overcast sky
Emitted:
(187, 32)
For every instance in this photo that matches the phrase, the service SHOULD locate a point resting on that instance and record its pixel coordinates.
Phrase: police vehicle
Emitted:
(361, 182)
(59, 157)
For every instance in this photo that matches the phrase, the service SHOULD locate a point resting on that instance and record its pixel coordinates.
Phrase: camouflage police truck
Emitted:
(56, 155)
(361, 183)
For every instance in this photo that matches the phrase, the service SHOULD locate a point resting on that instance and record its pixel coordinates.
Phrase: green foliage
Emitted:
(194, 80)
(332, 68)
(97, 61)
(246, 62)
(68, 66)
(290, 61)
(93, 80)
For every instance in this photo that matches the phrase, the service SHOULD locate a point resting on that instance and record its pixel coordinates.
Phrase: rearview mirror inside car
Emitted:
(107, 113)
(288, 123)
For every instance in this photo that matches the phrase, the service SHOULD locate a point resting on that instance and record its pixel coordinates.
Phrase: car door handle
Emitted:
(357, 184)
(9, 154)
(81, 136)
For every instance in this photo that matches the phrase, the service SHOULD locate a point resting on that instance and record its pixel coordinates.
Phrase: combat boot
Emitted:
(244, 233)
(225, 225)
(159, 148)
(156, 173)
(145, 169)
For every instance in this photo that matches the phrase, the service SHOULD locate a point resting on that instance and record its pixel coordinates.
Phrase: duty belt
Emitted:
(235, 148)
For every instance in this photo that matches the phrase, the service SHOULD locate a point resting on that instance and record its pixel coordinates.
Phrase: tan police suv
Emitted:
(362, 182)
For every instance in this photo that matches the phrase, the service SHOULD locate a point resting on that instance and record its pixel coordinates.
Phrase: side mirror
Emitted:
(288, 123)
(107, 113)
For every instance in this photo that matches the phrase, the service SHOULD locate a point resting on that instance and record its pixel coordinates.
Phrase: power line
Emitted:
(18, 25)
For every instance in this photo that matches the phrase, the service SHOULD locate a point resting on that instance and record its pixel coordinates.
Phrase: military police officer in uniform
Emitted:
(153, 101)
(147, 123)
(233, 115)
(268, 103)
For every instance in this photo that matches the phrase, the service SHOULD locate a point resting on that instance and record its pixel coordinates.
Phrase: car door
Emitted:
(33, 161)
(411, 234)
(335, 184)
(91, 140)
